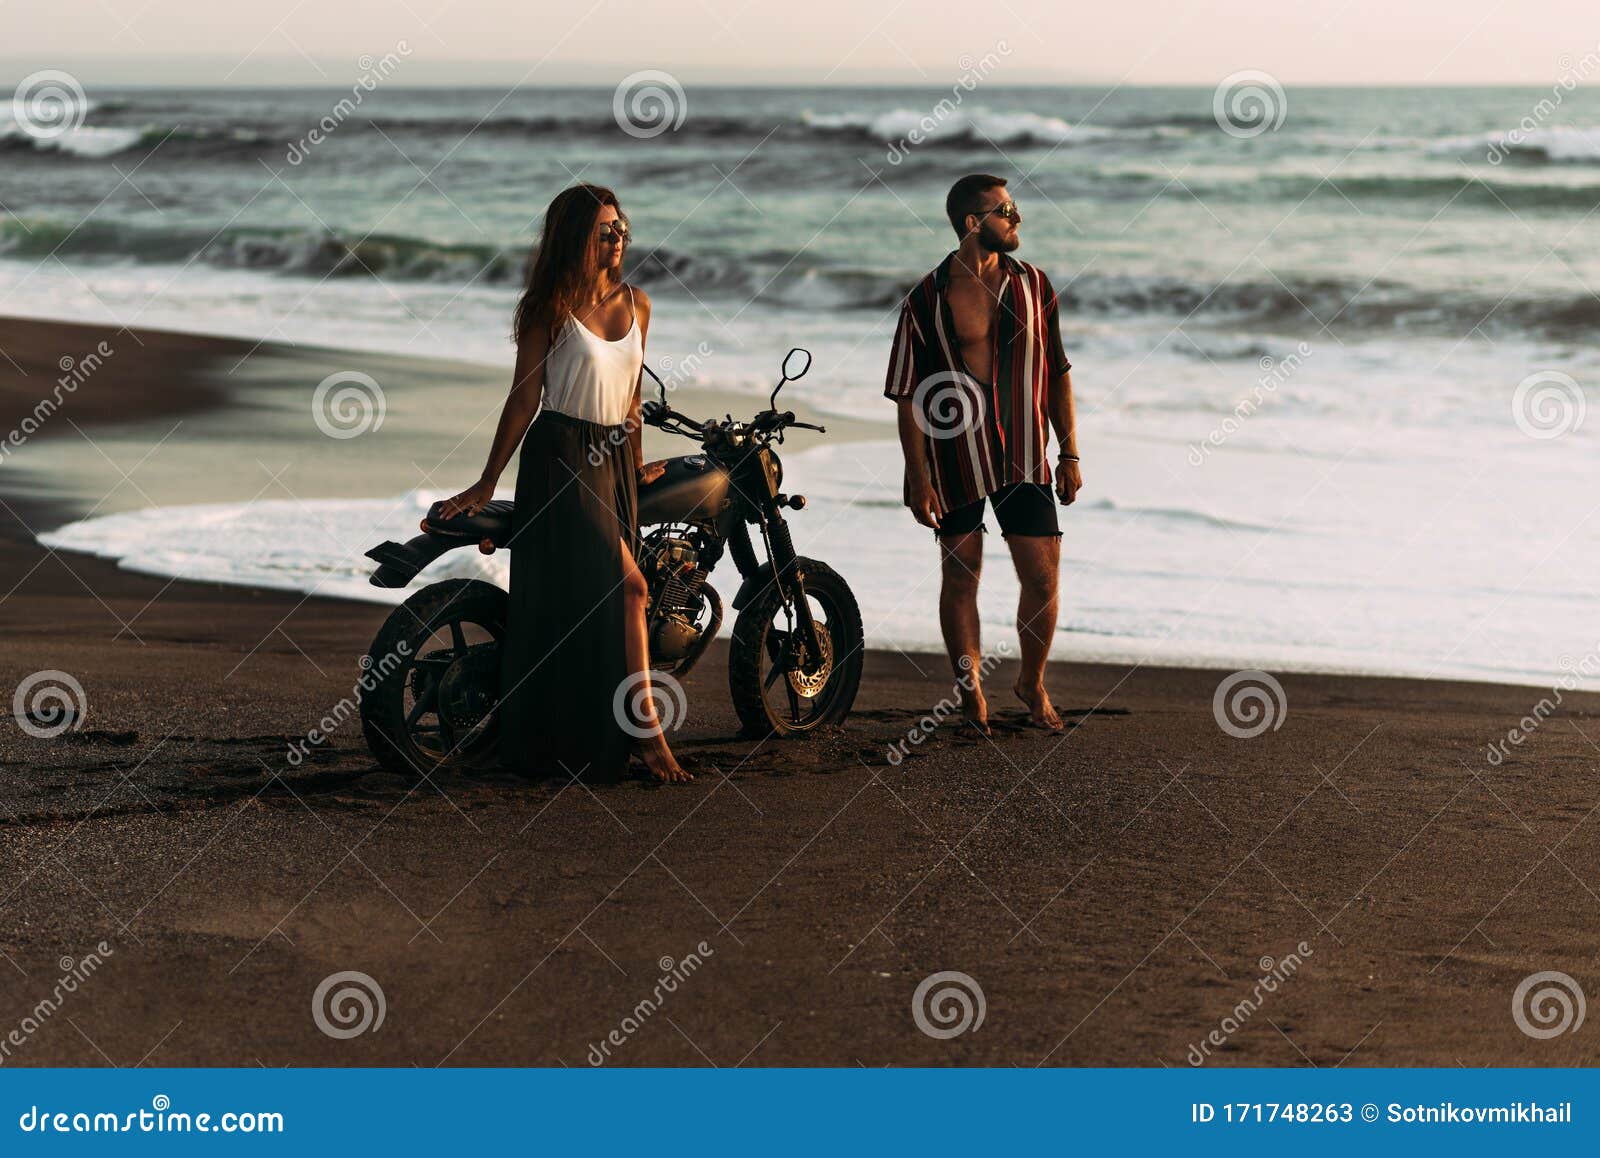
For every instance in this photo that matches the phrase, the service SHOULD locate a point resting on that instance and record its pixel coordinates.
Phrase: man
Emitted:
(977, 370)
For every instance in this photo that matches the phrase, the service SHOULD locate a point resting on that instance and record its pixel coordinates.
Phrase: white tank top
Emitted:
(588, 377)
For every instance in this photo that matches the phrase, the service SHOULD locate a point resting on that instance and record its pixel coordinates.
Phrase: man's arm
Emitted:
(1063, 419)
(905, 356)
(1059, 408)
(918, 490)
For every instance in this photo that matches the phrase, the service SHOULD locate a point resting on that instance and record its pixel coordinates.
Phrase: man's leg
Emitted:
(1027, 514)
(1038, 561)
(961, 561)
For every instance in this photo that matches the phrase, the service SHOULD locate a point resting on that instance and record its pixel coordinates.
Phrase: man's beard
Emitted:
(995, 243)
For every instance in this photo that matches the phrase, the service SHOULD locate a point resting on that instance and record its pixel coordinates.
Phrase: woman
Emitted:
(575, 666)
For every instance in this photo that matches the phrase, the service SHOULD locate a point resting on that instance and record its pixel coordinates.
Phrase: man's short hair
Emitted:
(966, 196)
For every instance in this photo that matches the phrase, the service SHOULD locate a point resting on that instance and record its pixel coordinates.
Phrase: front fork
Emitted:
(791, 589)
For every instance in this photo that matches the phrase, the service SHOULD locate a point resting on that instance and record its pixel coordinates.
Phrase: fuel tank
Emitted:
(693, 488)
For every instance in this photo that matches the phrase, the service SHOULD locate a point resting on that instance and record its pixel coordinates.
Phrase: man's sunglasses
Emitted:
(1006, 209)
(614, 230)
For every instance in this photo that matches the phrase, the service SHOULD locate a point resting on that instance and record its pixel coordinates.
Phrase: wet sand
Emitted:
(1113, 892)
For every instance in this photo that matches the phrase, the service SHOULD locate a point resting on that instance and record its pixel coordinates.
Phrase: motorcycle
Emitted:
(431, 681)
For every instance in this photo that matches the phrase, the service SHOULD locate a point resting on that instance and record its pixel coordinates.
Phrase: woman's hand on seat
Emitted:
(470, 501)
(650, 471)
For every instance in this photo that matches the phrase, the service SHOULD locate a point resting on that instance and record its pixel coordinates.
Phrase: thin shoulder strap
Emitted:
(633, 310)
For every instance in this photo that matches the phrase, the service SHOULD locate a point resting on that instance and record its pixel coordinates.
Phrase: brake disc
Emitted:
(808, 684)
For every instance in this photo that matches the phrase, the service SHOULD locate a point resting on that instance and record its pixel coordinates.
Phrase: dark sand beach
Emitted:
(1113, 891)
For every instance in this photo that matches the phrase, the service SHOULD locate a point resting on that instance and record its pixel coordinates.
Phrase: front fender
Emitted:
(757, 582)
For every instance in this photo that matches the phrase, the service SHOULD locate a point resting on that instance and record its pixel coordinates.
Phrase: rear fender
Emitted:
(399, 563)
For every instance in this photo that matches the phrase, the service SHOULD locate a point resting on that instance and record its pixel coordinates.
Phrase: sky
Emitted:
(501, 42)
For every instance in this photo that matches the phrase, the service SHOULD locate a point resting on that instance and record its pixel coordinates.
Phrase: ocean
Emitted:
(1331, 361)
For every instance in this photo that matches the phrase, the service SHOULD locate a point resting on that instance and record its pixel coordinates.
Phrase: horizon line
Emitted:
(490, 86)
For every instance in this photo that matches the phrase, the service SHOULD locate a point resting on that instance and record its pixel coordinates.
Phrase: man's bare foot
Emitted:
(658, 758)
(1041, 712)
(975, 710)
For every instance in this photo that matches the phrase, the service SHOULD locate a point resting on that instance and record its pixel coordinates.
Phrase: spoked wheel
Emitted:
(432, 678)
(778, 686)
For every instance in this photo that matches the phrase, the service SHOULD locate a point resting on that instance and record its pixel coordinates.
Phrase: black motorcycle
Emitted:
(431, 679)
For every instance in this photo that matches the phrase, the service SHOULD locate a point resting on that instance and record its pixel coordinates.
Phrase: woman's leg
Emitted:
(653, 748)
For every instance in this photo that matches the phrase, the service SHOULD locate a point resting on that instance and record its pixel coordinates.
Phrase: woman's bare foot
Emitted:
(1041, 712)
(658, 758)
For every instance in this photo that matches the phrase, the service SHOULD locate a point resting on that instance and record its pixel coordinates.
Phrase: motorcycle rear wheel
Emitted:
(432, 677)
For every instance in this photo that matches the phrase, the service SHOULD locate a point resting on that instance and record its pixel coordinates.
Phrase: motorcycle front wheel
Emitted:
(772, 694)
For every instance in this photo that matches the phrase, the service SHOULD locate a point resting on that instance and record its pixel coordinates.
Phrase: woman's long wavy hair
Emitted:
(561, 267)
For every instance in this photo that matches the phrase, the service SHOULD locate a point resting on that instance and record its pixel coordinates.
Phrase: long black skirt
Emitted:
(563, 664)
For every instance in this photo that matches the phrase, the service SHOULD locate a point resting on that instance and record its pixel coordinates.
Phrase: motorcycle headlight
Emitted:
(773, 469)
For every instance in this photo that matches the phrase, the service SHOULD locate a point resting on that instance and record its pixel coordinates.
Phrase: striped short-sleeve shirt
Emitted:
(980, 436)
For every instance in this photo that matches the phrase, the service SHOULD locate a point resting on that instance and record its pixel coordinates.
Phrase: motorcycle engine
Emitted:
(671, 566)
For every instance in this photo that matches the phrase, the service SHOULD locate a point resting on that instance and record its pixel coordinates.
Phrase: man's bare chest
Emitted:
(975, 311)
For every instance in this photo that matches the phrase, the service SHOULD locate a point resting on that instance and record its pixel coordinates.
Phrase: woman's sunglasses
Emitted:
(616, 230)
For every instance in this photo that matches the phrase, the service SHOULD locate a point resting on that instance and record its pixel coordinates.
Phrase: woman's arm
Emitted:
(527, 387)
(636, 424)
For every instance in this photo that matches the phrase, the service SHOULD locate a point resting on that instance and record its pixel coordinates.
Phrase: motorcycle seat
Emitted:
(493, 522)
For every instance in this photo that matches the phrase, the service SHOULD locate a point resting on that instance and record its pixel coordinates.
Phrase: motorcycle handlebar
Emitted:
(660, 414)
(787, 419)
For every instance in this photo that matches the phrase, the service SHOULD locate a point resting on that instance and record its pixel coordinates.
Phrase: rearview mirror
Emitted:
(795, 363)
(662, 386)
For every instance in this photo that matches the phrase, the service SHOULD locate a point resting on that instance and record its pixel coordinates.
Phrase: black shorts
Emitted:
(1020, 508)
